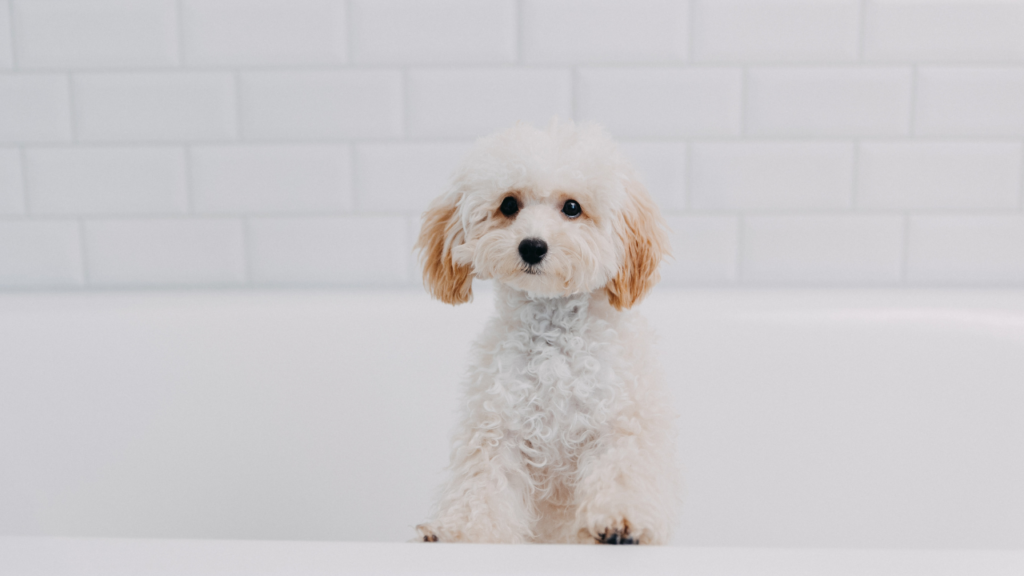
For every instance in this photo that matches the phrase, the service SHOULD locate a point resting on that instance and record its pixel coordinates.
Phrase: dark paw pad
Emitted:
(430, 538)
(616, 537)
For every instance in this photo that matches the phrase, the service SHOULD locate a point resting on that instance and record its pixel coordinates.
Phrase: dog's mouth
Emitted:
(531, 269)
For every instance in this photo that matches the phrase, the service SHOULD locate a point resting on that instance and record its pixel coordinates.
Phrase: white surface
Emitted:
(85, 557)
(807, 419)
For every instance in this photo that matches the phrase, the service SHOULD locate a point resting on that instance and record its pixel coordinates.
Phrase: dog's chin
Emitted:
(537, 281)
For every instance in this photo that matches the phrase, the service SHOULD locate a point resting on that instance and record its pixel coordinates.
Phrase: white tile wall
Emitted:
(96, 33)
(268, 179)
(6, 42)
(340, 251)
(263, 32)
(939, 175)
(662, 102)
(433, 31)
(826, 250)
(966, 249)
(944, 30)
(776, 30)
(468, 103)
(404, 177)
(734, 176)
(97, 181)
(12, 191)
(40, 254)
(573, 31)
(34, 108)
(982, 101)
(295, 142)
(133, 107)
(165, 252)
(704, 250)
(321, 105)
(828, 101)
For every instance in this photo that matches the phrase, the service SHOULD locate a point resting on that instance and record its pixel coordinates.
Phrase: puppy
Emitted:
(566, 431)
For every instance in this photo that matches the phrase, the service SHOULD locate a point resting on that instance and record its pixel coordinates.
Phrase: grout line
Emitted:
(352, 179)
(83, 253)
(237, 84)
(406, 104)
(1020, 197)
(905, 256)
(855, 176)
(862, 30)
(72, 109)
(23, 167)
(574, 93)
(741, 225)
(180, 36)
(13, 42)
(744, 102)
(686, 200)
(690, 27)
(519, 31)
(190, 200)
(246, 252)
(912, 107)
(349, 52)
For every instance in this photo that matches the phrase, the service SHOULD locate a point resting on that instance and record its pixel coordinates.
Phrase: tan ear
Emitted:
(441, 231)
(646, 243)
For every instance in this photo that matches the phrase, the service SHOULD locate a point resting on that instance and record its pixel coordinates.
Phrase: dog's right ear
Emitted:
(442, 231)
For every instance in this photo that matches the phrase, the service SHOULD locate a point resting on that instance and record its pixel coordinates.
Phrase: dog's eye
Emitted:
(509, 206)
(571, 208)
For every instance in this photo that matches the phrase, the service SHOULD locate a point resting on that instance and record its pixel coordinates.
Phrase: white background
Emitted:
(294, 142)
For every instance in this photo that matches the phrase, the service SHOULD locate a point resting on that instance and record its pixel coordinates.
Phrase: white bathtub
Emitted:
(850, 419)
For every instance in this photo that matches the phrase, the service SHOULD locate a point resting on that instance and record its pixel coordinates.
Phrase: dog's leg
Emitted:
(627, 490)
(486, 499)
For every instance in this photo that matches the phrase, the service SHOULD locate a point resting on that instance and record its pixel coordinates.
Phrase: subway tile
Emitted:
(165, 252)
(969, 101)
(145, 180)
(96, 33)
(12, 193)
(433, 31)
(43, 105)
(469, 103)
(822, 249)
(155, 106)
(704, 250)
(771, 176)
(40, 254)
(231, 179)
(803, 101)
(264, 32)
(6, 41)
(939, 175)
(362, 250)
(661, 166)
(776, 30)
(404, 177)
(321, 104)
(948, 31)
(662, 102)
(966, 249)
(604, 31)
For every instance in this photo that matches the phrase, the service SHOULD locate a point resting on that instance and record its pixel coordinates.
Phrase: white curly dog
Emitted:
(567, 430)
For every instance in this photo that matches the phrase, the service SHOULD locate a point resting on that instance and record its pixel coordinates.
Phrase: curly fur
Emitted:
(566, 431)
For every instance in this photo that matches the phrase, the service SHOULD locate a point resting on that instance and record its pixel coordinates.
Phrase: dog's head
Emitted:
(553, 212)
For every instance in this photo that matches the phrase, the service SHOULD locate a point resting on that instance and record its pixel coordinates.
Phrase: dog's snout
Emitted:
(533, 250)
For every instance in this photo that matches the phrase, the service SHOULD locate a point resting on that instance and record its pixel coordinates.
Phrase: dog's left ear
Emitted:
(645, 242)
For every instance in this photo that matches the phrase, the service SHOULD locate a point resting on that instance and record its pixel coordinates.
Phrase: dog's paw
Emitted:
(617, 535)
(426, 533)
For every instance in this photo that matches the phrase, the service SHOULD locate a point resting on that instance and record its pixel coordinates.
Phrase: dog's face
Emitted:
(552, 212)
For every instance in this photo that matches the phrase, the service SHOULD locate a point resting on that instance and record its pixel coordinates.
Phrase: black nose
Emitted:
(533, 250)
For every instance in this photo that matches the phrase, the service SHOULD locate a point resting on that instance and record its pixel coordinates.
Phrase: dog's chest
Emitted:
(556, 369)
